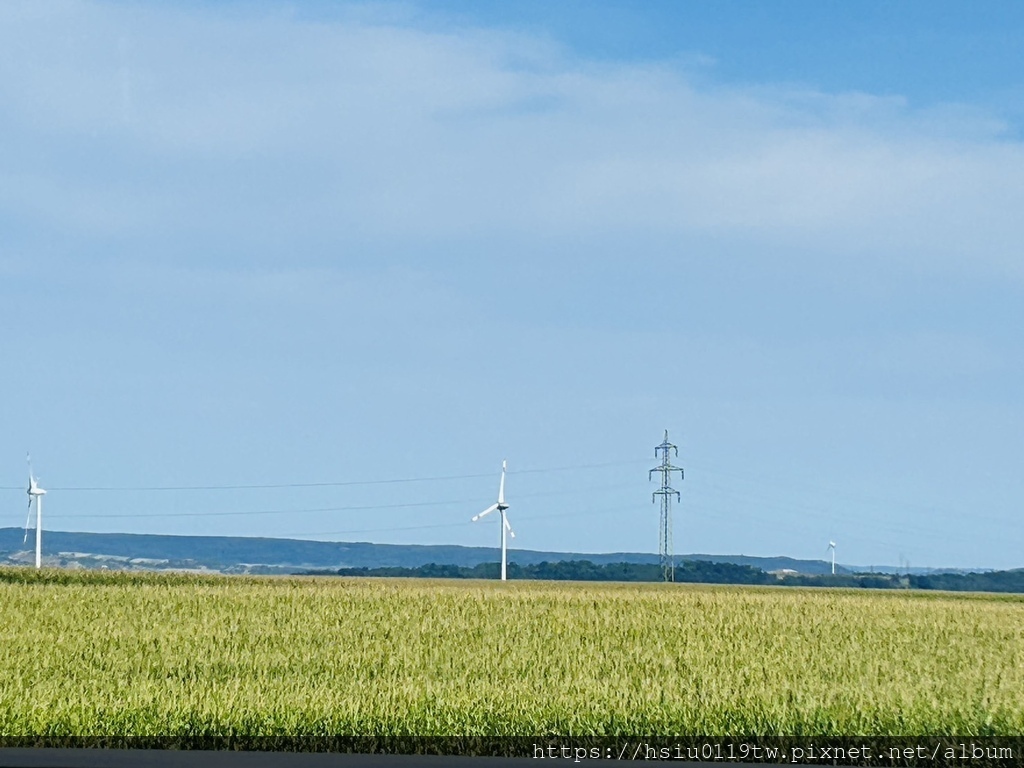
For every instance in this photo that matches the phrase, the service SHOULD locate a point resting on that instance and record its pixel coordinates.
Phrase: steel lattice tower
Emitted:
(668, 566)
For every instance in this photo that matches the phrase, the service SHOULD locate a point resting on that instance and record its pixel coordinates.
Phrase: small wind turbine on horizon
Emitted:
(832, 546)
(35, 494)
(500, 506)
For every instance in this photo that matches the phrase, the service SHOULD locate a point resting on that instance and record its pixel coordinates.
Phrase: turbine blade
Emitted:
(485, 512)
(508, 526)
(501, 487)
(28, 517)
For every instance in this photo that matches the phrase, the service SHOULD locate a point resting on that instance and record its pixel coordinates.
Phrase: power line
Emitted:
(327, 484)
(353, 508)
(588, 513)
(579, 466)
(160, 515)
(261, 487)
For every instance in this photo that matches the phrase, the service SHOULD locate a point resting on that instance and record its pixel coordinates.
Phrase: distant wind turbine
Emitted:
(832, 546)
(501, 506)
(35, 493)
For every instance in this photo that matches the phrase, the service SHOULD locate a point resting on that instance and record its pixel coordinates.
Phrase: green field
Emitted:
(186, 658)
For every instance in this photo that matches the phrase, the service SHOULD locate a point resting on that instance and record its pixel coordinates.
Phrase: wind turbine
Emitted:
(35, 493)
(501, 506)
(832, 546)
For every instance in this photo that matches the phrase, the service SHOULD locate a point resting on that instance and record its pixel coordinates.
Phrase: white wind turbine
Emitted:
(35, 493)
(501, 506)
(832, 546)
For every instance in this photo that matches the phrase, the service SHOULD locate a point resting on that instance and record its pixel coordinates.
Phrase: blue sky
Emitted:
(315, 245)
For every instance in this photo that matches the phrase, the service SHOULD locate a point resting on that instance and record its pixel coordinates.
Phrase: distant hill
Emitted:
(243, 554)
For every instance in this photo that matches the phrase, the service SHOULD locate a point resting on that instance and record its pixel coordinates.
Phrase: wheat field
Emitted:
(180, 659)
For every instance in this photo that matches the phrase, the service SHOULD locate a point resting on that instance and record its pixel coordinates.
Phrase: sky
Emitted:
(315, 269)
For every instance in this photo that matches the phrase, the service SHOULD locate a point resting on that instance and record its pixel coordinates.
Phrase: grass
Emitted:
(184, 659)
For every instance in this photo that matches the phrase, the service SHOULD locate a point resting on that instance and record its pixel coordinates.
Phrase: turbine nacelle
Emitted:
(33, 482)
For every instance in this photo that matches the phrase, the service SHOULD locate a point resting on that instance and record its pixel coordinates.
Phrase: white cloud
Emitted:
(264, 129)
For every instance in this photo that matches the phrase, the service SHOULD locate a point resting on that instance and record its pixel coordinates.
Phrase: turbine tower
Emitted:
(35, 493)
(665, 555)
(501, 506)
(832, 546)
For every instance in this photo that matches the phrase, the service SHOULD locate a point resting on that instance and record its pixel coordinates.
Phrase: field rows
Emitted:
(160, 655)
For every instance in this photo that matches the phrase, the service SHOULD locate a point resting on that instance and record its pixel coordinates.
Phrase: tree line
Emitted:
(700, 572)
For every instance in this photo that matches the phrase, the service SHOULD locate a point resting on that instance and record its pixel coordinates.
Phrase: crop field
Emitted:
(180, 659)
